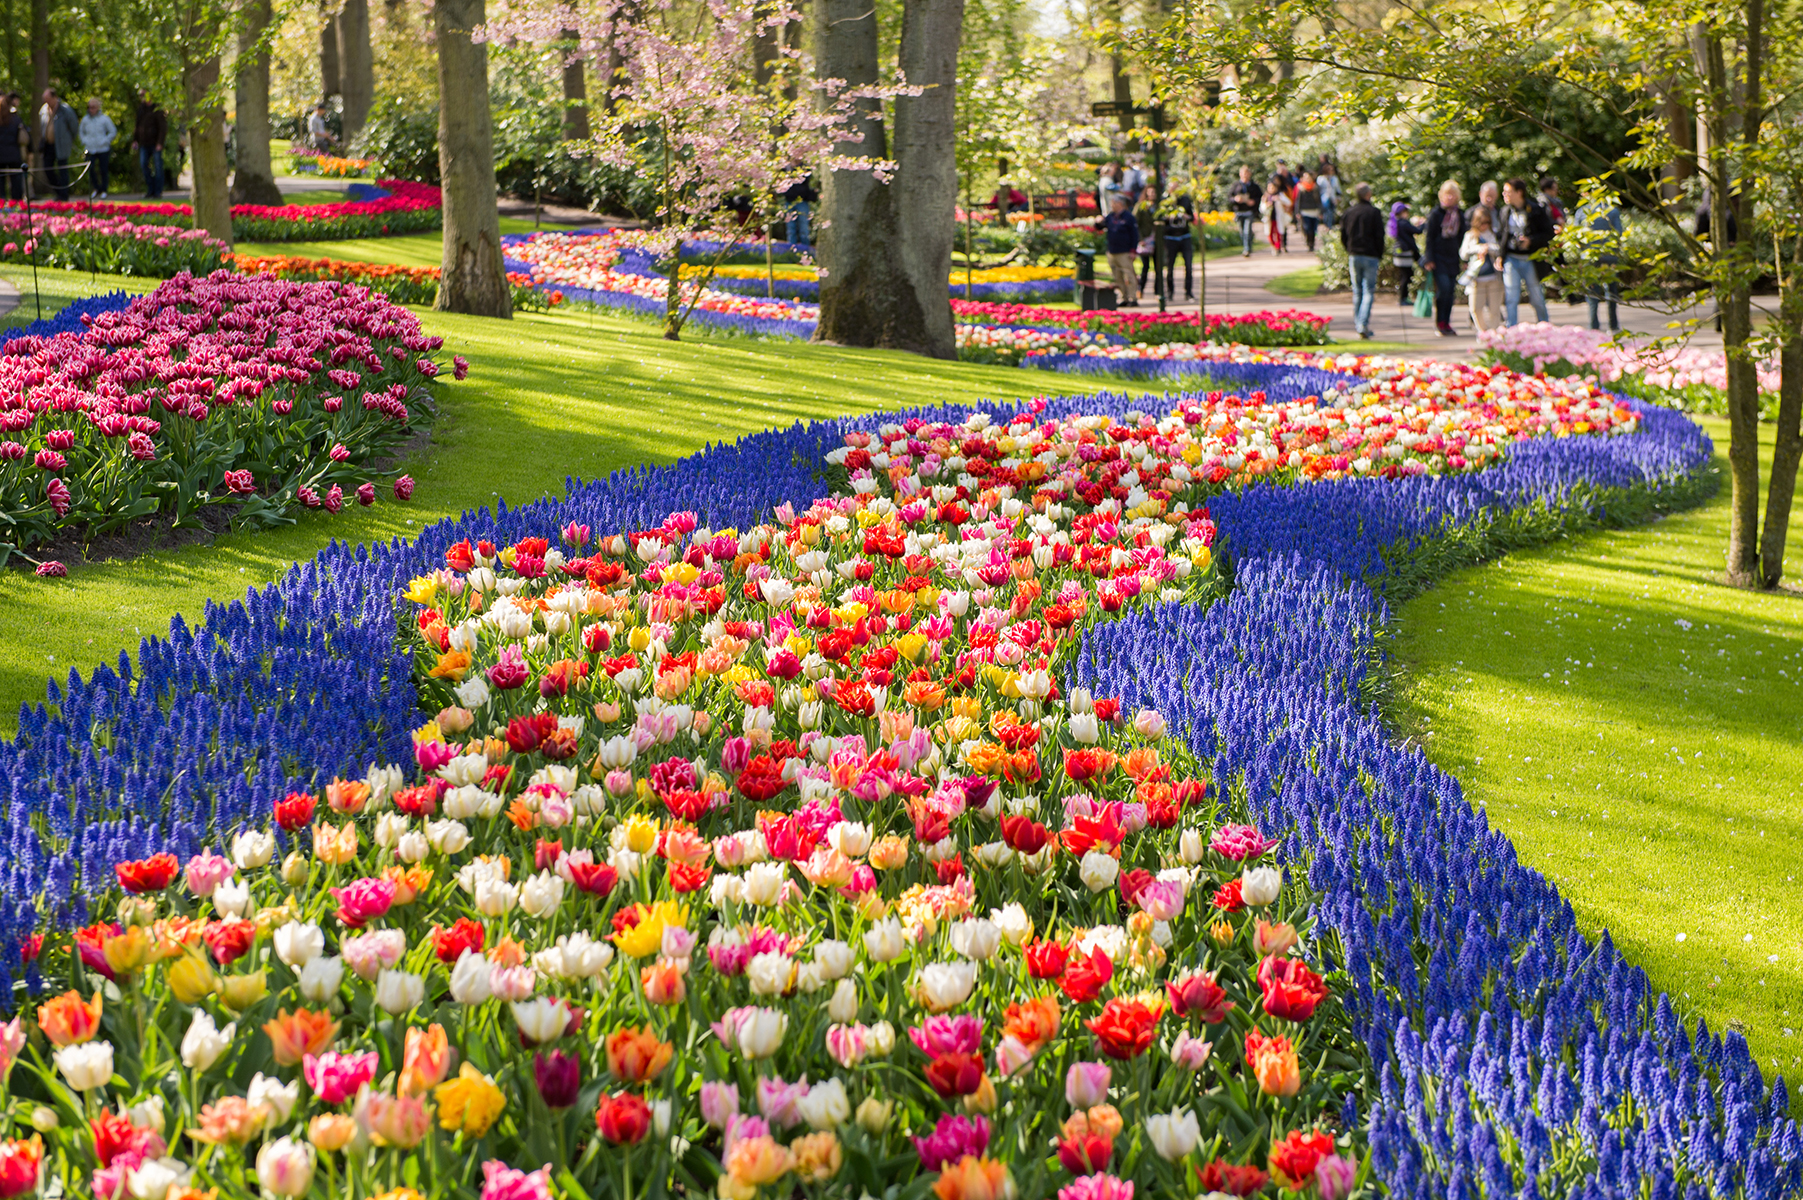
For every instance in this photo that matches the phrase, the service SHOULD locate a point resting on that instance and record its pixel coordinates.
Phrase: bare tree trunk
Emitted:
(473, 279)
(864, 300)
(1782, 489)
(926, 179)
(211, 198)
(331, 82)
(764, 48)
(1743, 439)
(253, 182)
(356, 66)
(575, 91)
(40, 55)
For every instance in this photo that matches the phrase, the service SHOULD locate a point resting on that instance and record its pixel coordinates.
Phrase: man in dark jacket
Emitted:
(1121, 229)
(1527, 230)
(1362, 233)
(148, 132)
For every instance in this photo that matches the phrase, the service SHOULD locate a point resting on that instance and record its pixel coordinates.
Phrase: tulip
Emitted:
(976, 939)
(400, 1121)
(541, 1020)
(1190, 1053)
(285, 1167)
(1173, 1135)
(825, 1106)
(502, 1182)
(87, 1066)
(148, 1114)
(69, 1020)
(205, 1042)
(471, 978)
(278, 1097)
(253, 848)
(834, 958)
(298, 944)
(399, 992)
(1098, 871)
(623, 1119)
(469, 1104)
(205, 872)
(762, 1032)
(884, 941)
(1086, 1084)
(321, 979)
(426, 1058)
(1335, 1176)
(331, 1132)
(1191, 847)
(873, 1115)
(151, 1179)
(1259, 886)
(843, 1007)
(21, 1165)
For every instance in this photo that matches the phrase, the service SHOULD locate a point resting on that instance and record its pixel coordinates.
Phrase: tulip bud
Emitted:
(1191, 847)
(239, 992)
(44, 1119)
(983, 1100)
(285, 1167)
(137, 910)
(1260, 885)
(192, 978)
(295, 869)
(873, 1114)
(843, 1007)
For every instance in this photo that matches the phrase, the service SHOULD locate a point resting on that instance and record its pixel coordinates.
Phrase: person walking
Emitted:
(1244, 198)
(1402, 229)
(797, 201)
(1327, 182)
(1133, 182)
(1108, 183)
(1177, 229)
(149, 128)
(1442, 237)
(1121, 238)
(1146, 214)
(1278, 208)
(1362, 233)
(1603, 219)
(15, 147)
(318, 136)
(61, 128)
(97, 134)
(1308, 207)
(1526, 231)
(1489, 199)
(1549, 196)
(1482, 253)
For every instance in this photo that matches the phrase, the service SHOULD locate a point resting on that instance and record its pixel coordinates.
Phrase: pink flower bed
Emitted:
(408, 207)
(1540, 347)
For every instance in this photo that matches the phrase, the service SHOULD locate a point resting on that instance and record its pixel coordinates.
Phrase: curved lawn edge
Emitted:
(1575, 1076)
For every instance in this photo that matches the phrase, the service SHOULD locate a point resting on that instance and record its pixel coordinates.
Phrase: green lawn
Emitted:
(1297, 285)
(406, 250)
(549, 396)
(54, 289)
(1636, 728)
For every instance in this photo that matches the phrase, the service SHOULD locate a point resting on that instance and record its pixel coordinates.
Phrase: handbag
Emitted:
(1424, 296)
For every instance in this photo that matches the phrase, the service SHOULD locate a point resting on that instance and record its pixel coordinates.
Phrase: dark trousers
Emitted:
(99, 163)
(59, 179)
(150, 165)
(1310, 223)
(1186, 246)
(1405, 275)
(1446, 286)
(12, 181)
(1145, 268)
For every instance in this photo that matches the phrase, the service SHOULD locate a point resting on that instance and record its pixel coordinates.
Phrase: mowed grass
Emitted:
(404, 250)
(1636, 728)
(49, 292)
(548, 397)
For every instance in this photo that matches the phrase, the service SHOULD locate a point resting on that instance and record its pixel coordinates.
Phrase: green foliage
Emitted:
(402, 139)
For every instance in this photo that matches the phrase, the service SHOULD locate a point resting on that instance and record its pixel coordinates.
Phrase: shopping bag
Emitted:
(1424, 295)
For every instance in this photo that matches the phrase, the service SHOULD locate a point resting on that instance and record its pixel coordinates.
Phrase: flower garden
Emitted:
(401, 207)
(970, 802)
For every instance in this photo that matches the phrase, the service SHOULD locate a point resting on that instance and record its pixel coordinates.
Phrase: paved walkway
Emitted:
(1240, 285)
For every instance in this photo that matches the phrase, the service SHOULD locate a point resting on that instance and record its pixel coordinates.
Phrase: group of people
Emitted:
(1492, 250)
(48, 146)
(1139, 230)
(1304, 199)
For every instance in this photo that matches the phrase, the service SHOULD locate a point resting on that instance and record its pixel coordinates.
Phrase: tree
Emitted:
(356, 66)
(472, 278)
(926, 176)
(575, 91)
(1736, 63)
(330, 77)
(253, 181)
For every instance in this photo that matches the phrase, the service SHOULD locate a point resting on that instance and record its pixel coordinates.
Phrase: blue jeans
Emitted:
(1518, 270)
(1364, 289)
(1327, 213)
(1604, 293)
(1247, 220)
(797, 232)
(98, 163)
(150, 165)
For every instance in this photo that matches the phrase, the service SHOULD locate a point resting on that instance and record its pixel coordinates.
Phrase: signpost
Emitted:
(1155, 120)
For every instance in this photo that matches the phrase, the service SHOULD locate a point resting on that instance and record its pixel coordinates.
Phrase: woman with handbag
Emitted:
(1444, 233)
(1402, 230)
(1278, 207)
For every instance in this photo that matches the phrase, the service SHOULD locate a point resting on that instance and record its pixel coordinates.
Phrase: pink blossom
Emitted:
(335, 1077)
(502, 1182)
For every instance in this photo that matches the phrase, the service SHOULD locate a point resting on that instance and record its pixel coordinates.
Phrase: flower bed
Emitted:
(304, 160)
(408, 208)
(266, 395)
(115, 246)
(403, 285)
(1688, 378)
(1289, 327)
(1504, 1045)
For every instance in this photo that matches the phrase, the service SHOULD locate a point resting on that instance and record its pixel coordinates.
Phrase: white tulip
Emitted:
(152, 1178)
(87, 1065)
(843, 1007)
(884, 941)
(541, 1019)
(946, 985)
(1013, 923)
(320, 979)
(1173, 1135)
(850, 838)
(1259, 886)
(298, 944)
(770, 974)
(148, 1113)
(541, 894)
(473, 693)
(1083, 727)
(575, 956)
(285, 1167)
(764, 882)
(412, 847)
(1098, 871)
(762, 1031)
(280, 1097)
(231, 898)
(834, 958)
(253, 848)
(470, 978)
(976, 939)
(826, 1105)
(1192, 846)
(882, 1040)
(399, 992)
(447, 836)
(464, 770)
(495, 897)
(205, 1042)
(389, 828)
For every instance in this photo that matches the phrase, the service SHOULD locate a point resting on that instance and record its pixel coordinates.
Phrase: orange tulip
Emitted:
(425, 1060)
(1273, 1063)
(973, 1178)
(663, 983)
(1033, 1023)
(636, 1055)
(297, 1034)
(408, 882)
(69, 1020)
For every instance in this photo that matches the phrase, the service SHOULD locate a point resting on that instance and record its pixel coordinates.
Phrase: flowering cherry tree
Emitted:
(689, 108)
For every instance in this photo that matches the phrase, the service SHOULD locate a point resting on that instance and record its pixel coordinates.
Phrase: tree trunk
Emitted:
(254, 180)
(40, 56)
(356, 67)
(1743, 439)
(926, 179)
(764, 48)
(1785, 457)
(575, 91)
(473, 279)
(864, 300)
(211, 195)
(330, 81)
